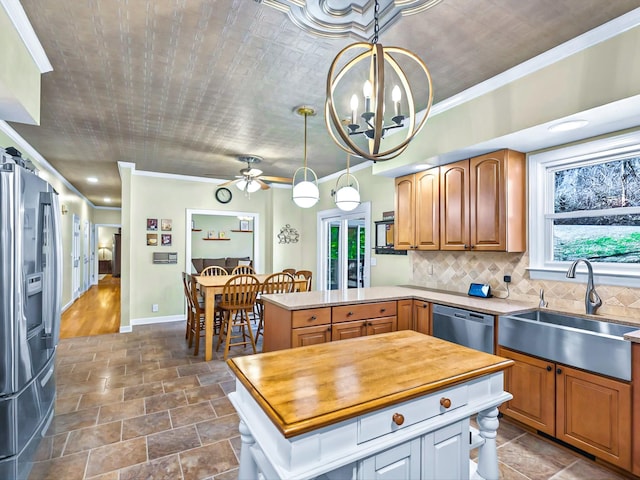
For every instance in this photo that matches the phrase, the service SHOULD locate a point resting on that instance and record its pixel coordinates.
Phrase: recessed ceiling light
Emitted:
(566, 126)
(92, 180)
(107, 200)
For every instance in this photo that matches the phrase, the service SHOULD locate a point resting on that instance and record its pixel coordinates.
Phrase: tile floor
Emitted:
(141, 406)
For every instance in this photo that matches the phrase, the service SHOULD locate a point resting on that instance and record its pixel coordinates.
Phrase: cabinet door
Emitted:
(531, 381)
(301, 337)
(344, 330)
(404, 228)
(454, 206)
(594, 414)
(405, 314)
(398, 463)
(427, 210)
(487, 219)
(382, 325)
(422, 317)
(446, 453)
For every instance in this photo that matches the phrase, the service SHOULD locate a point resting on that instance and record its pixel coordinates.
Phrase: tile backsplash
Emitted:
(454, 271)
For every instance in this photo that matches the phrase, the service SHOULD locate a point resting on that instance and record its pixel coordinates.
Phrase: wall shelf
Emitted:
(243, 231)
(210, 239)
(196, 229)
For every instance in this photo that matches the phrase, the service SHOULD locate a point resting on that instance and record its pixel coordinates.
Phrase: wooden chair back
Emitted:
(243, 270)
(290, 271)
(307, 275)
(214, 271)
(278, 283)
(195, 301)
(240, 292)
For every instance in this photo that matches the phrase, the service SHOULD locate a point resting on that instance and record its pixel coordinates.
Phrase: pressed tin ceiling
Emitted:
(185, 86)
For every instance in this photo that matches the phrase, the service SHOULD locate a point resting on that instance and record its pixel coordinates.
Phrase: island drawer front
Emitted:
(348, 313)
(379, 423)
(311, 317)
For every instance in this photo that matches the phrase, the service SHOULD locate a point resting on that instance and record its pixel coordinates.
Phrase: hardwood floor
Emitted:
(96, 312)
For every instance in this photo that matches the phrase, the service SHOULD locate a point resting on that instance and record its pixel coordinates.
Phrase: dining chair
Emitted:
(307, 275)
(214, 271)
(243, 270)
(276, 283)
(290, 271)
(238, 300)
(197, 322)
(186, 283)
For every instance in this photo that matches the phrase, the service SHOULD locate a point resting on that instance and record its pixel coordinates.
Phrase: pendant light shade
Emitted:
(346, 195)
(305, 192)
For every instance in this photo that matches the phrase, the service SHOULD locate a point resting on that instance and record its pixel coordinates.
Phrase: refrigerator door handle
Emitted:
(51, 259)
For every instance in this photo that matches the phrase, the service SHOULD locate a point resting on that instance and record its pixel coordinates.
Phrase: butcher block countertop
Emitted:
(306, 388)
(352, 296)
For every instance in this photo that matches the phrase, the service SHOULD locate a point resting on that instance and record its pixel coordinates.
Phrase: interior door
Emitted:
(75, 258)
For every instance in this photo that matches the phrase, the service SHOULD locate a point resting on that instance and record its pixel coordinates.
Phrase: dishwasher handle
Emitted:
(468, 315)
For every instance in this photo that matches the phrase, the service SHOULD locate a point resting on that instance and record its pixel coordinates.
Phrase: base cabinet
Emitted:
(414, 315)
(397, 463)
(361, 328)
(589, 411)
(301, 337)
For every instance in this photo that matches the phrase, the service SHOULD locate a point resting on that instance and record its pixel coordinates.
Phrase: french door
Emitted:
(345, 246)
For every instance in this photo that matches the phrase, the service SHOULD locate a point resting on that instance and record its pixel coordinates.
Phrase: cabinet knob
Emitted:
(424, 305)
(349, 314)
(313, 317)
(559, 371)
(445, 402)
(382, 310)
(328, 329)
(549, 368)
(466, 246)
(398, 418)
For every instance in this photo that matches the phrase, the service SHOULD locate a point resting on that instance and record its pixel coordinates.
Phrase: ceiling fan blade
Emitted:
(230, 182)
(263, 185)
(267, 178)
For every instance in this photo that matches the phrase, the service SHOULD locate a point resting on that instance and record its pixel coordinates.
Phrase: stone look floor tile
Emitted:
(101, 398)
(208, 460)
(165, 468)
(222, 406)
(71, 467)
(75, 420)
(586, 469)
(161, 374)
(191, 414)
(180, 383)
(92, 437)
(172, 441)
(165, 401)
(144, 390)
(145, 425)
(121, 381)
(200, 394)
(119, 411)
(195, 369)
(119, 455)
(218, 429)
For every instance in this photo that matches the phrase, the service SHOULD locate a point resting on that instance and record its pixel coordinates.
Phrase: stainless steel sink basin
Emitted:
(594, 345)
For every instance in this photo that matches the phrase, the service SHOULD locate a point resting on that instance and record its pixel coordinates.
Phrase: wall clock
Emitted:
(223, 195)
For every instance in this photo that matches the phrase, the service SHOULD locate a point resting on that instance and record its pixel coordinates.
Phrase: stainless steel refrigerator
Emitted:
(30, 295)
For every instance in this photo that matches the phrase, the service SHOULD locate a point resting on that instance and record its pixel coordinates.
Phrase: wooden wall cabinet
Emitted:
(588, 411)
(417, 211)
(414, 315)
(483, 203)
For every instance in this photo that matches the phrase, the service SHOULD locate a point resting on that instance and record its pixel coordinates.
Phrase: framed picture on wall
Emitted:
(152, 224)
(165, 224)
(166, 239)
(152, 239)
(244, 225)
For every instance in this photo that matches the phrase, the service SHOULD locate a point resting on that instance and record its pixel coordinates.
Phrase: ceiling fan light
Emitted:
(347, 198)
(249, 186)
(306, 194)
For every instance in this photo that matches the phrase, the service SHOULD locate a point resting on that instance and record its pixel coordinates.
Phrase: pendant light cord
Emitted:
(305, 146)
(376, 28)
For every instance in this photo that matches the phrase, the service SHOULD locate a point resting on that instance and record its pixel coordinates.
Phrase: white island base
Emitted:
(432, 442)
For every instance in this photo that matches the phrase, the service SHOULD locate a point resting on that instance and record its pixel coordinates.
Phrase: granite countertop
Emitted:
(492, 306)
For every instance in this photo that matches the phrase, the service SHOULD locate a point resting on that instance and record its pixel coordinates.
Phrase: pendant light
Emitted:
(345, 195)
(381, 68)
(305, 192)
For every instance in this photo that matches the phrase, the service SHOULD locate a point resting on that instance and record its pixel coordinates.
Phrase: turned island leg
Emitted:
(248, 467)
(488, 454)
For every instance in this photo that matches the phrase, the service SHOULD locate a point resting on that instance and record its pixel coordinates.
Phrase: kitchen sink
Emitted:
(594, 345)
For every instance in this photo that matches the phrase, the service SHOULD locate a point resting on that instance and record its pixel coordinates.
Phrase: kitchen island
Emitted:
(394, 405)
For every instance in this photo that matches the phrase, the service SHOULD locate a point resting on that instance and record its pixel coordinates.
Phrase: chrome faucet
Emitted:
(543, 303)
(591, 299)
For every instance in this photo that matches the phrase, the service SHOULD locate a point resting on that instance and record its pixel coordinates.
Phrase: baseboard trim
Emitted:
(151, 320)
(127, 329)
(64, 307)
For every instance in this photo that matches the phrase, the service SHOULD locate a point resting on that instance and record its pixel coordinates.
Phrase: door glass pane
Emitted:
(333, 265)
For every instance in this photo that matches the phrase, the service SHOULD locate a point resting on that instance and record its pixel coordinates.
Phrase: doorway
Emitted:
(75, 258)
(344, 248)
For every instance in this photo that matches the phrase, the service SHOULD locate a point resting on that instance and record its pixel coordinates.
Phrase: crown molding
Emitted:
(24, 28)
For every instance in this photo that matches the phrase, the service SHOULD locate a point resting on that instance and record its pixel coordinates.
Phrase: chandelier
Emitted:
(305, 192)
(380, 68)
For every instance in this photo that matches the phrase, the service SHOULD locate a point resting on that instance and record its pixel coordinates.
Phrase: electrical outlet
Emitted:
(507, 279)
(154, 307)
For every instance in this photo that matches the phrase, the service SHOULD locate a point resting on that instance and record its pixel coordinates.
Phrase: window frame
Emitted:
(542, 167)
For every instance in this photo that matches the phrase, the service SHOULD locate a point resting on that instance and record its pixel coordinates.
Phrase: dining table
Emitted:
(212, 285)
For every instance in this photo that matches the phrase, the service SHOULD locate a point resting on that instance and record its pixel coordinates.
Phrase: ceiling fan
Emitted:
(251, 179)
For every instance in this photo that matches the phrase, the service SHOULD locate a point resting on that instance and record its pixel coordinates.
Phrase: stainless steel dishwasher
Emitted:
(464, 327)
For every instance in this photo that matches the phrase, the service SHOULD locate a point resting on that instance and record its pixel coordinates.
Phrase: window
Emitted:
(585, 203)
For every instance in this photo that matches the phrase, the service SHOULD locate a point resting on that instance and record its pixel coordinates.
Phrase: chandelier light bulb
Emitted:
(347, 198)
(306, 194)
(367, 89)
(396, 94)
